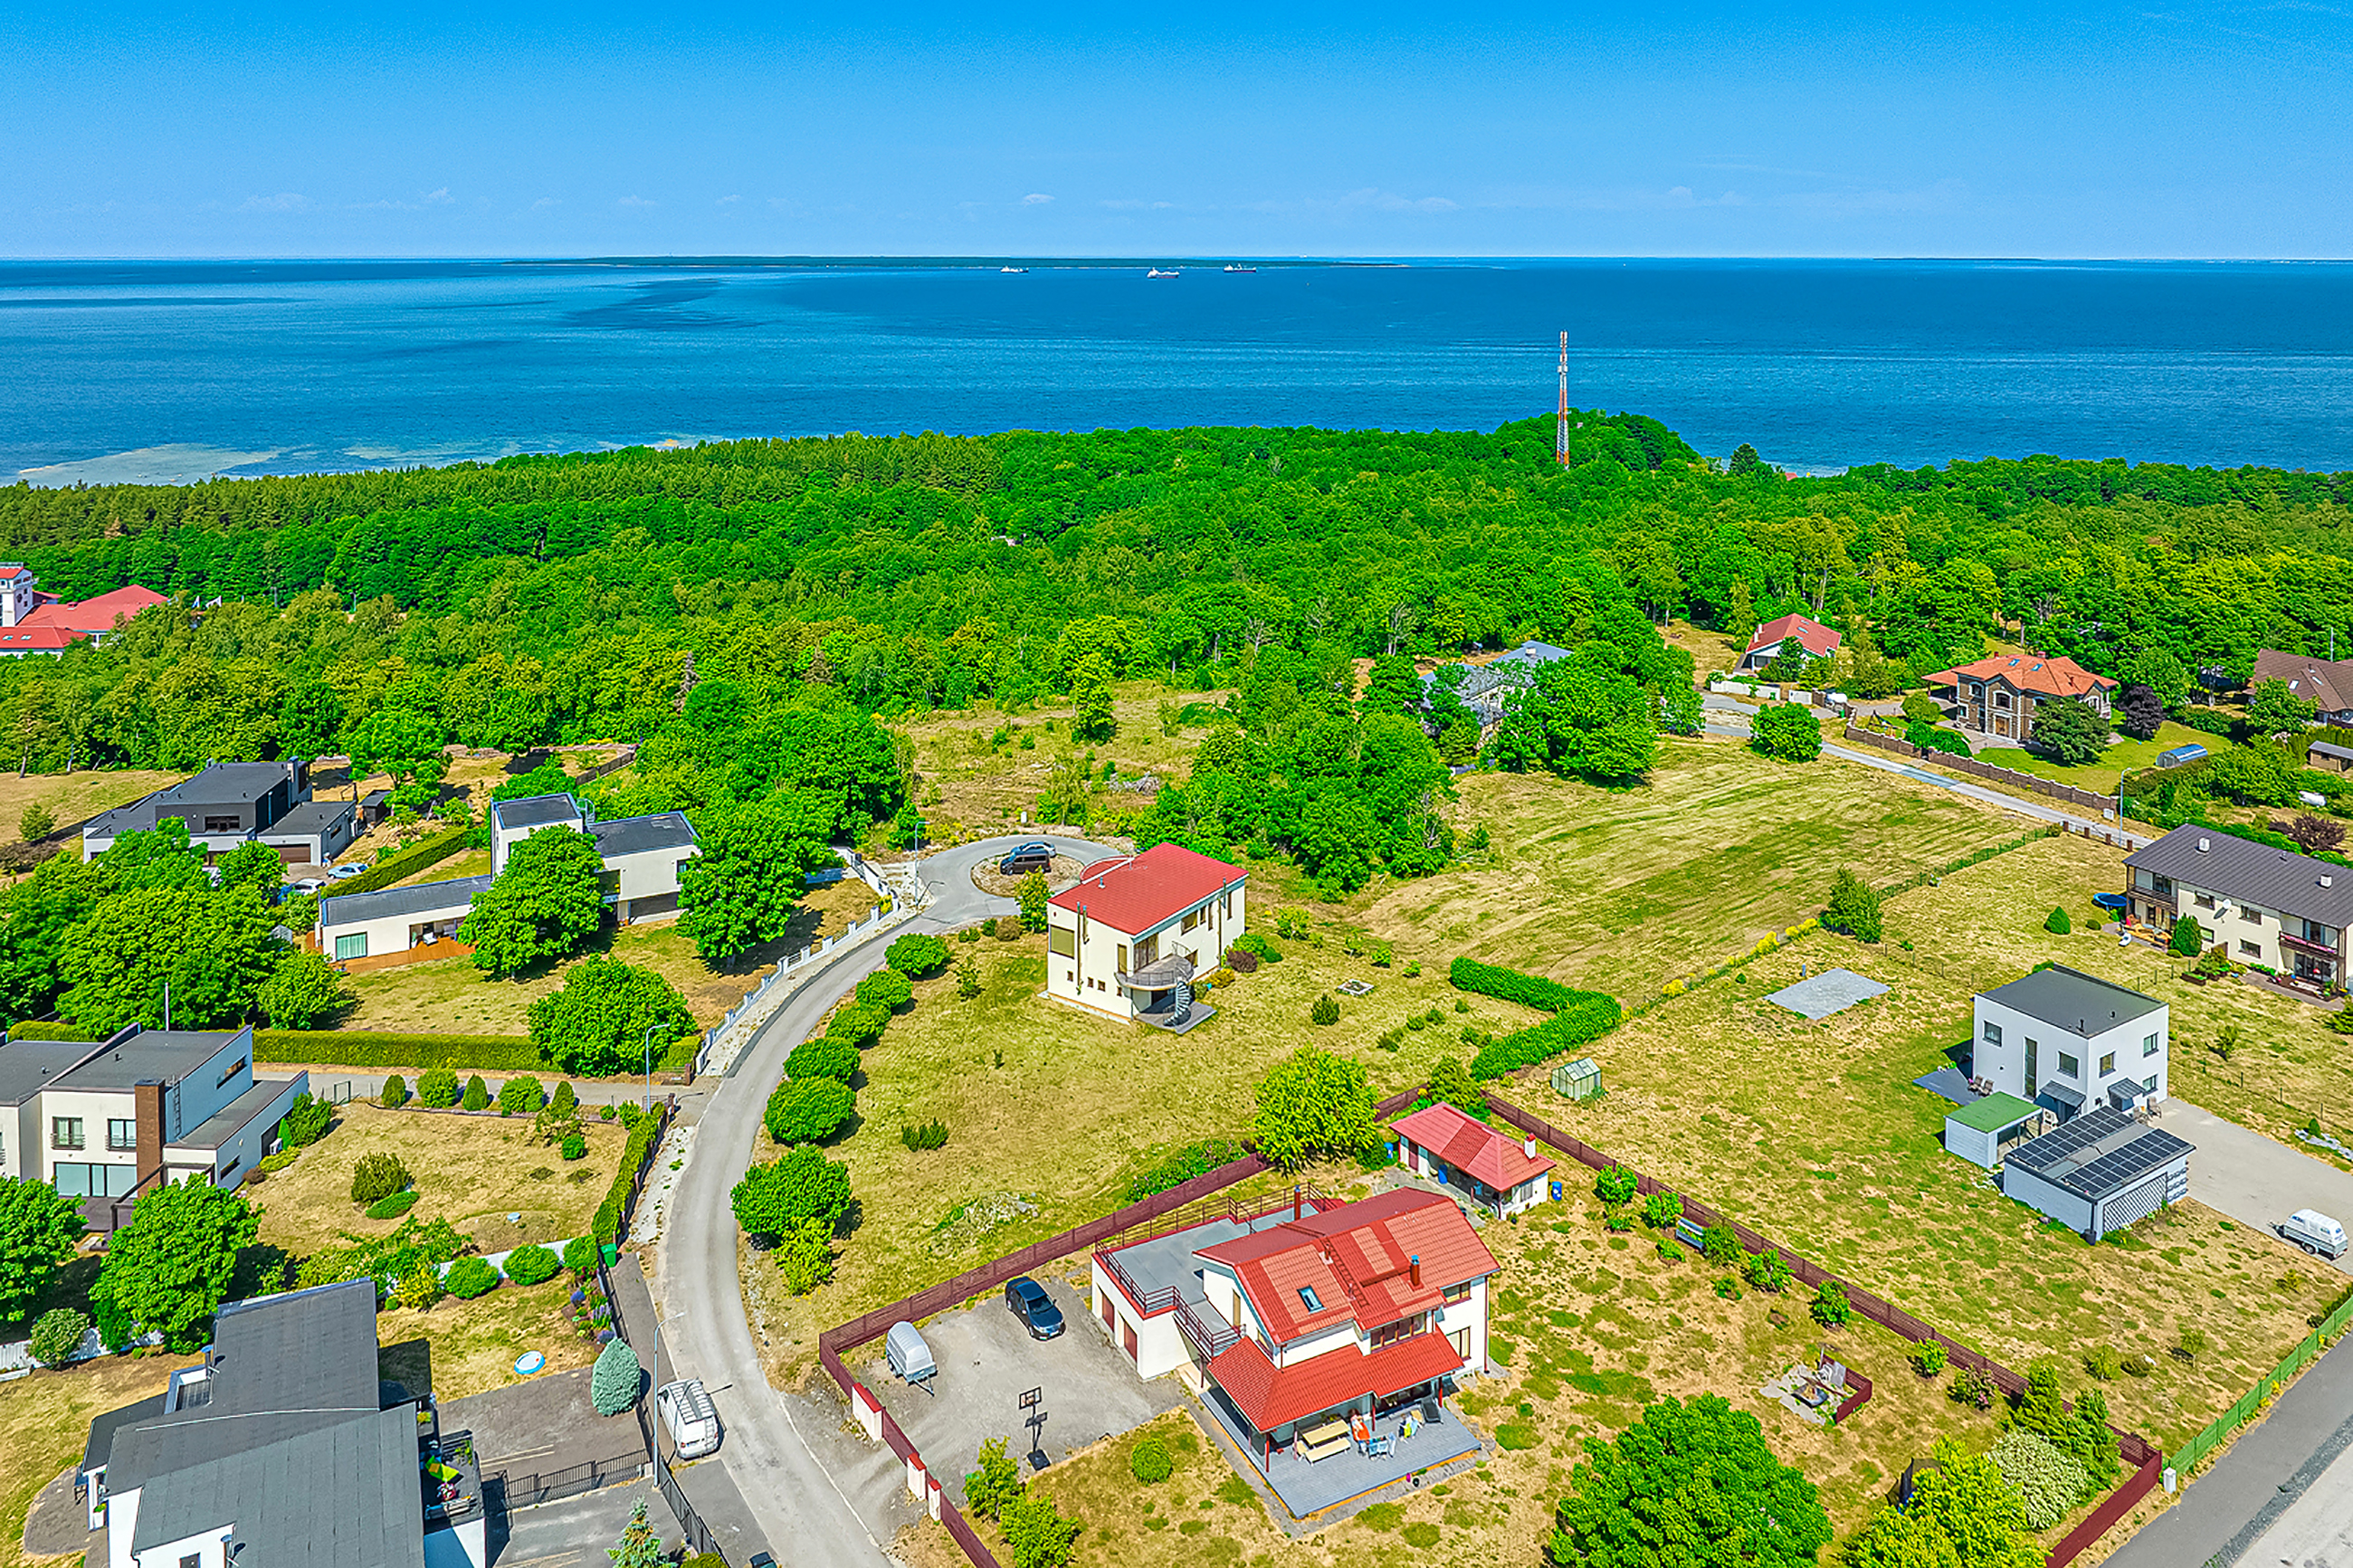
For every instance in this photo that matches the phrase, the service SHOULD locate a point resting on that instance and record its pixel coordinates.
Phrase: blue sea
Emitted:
(172, 370)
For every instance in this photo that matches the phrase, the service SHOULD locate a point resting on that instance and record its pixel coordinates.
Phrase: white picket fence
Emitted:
(906, 894)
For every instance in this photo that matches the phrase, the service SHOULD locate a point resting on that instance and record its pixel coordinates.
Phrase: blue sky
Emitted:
(2092, 129)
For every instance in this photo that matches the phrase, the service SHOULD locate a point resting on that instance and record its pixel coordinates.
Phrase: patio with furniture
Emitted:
(1344, 1459)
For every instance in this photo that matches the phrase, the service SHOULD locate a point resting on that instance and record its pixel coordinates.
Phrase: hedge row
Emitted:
(363, 1048)
(1581, 1022)
(1511, 985)
(407, 863)
(49, 1032)
(607, 1226)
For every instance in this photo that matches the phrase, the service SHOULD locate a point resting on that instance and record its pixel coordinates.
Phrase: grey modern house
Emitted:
(2099, 1172)
(2271, 907)
(231, 804)
(2066, 1040)
(283, 1447)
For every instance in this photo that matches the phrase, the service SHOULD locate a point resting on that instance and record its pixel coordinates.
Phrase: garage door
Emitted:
(2138, 1201)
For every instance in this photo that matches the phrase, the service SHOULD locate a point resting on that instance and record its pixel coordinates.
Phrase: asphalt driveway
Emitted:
(1089, 1391)
(2256, 1180)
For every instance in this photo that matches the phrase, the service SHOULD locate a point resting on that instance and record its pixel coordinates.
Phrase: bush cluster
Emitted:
(859, 1024)
(1148, 1462)
(1511, 985)
(2047, 1479)
(824, 1057)
(924, 1135)
(809, 1110)
(395, 1093)
(887, 989)
(1580, 1023)
(532, 1265)
(1193, 1160)
(468, 1278)
(1241, 960)
(643, 1128)
(58, 1334)
(305, 1123)
(1325, 1011)
(1927, 1357)
(915, 955)
(520, 1096)
(437, 1090)
(1258, 946)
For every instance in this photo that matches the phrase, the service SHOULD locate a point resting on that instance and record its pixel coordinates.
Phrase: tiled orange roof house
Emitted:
(1998, 696)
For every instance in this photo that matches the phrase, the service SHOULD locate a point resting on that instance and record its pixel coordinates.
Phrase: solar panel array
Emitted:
(2099, 1153)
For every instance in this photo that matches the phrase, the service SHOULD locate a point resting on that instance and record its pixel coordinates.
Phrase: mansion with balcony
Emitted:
(1128, 939)
(2273, 908)
(1997, 697)
(1323, 1336)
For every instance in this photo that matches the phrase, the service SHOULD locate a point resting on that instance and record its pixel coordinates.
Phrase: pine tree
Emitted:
(613, 1384)
(1854, 907)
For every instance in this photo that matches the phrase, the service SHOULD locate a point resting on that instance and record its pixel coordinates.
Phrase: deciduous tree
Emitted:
(1853, 907)
(2074, 732)
(544, 904)
(801, 1185)
(1689, 1484)
(1787, 731)
(2143, 712)
(168, 1270)
(2273, 706)
(38, 1228)
(1312, 1104)
(303, 991)
(596, 1024)
(741, 888)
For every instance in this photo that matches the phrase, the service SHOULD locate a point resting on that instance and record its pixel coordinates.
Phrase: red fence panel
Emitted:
(2106, 1517)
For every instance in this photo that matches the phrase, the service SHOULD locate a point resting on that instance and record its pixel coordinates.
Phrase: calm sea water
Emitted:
(172, 370)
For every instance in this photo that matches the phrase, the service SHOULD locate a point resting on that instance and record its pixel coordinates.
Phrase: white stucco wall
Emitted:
(2131, 1045)
(1160, 1346)
(1087, 975)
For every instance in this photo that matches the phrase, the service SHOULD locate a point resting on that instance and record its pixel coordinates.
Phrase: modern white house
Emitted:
(1128, 939)
(2067, 1041)
(642, 859)
(104, 1123)
(282, 1446)
(231, 804)
(2100, 1171)
(1501, 1174)
(2273, 908)
(1314, 1312)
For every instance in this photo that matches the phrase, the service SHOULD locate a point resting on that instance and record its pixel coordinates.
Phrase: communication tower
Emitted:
(1560, 430)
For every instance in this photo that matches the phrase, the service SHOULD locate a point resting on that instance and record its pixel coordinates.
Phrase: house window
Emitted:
(352, 946)
(2069, 1067)
(2108, 1064)
(1390, 1334)
(1307, 1294)
(2252, 917)
(222, 825)
(1454, 1293)
(65, 1133)
(2001, 699)
(2204, 900)
(2251, 949)
(192, 1560)
(1226, 905)
(93, 1181)
(2149, 1083)
(1064, 940)
(2148, 1044)
(1192, 918)
(122, 1132)
(1993, 1034)
(1123, 958)
(230, 1071)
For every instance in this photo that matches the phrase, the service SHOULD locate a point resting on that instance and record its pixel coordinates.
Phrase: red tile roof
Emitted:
(2057, 676)
(1358, 1260)
(1469, 1146)
(97, 615)
(1812, 636)
(1268, 1396)
(1137, 892)
(26, 636)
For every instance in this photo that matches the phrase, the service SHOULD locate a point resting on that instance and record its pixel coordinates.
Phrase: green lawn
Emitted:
(2123, 755)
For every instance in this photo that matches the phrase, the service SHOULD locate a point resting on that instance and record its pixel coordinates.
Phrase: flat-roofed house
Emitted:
(395, 919)
(2273, 908)
(2100, 1171)
(231, 804)
(643, 858)
(2068, 1041)
(1998, 696)
(1128, 938)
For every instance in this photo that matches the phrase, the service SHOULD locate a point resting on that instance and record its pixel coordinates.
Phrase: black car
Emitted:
(1034, 1307)
(1029, 857)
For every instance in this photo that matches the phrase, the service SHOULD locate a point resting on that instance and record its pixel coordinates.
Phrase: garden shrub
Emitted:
(613, 1384)
(1325, 1011)
(859, 1024)
(1038, 1532)
(394, 1205)
(468, 1278)
(476, 1096)
(887, 989)
(305, 1123)
(418, 1289)
(1580, 1023)
(2137, 1365)
(1193, 1160)
(1256, 945)
(520, 1097)
(1616, 1185)
(2056, 923)
(2186, 937)
(969, 933)
(916, 955)
(825, 1056)
(533, 1266)
(1661, 1210)
(1975, 1389)
(1618, 1220)
(805, 1253)
(58, 1334)
(1511, 1435)
(1831, 1308)
(1720, 1244)
(395, 1093)
(437, 1087)
(607, 1226)
(2046, 1479)
(1148, 1462)
(272, 1163)
(924, 1135)
(1927, 1357)
(1241, 961)
(574, 1146)
(378, 1175)
(2103, 1363)
(2192, 1344)
(1768, 1271)
(1511, 985)
(580, 1254)
(380, 1048)
(809, 1110)
(1007, 928)
(998, 1482)
(564, 1099)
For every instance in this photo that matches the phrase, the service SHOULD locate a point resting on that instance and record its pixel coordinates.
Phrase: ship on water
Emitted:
(1013, 269)
(1238, 267)
(1165, 272)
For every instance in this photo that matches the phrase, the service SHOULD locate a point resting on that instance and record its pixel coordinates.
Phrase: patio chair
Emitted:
(1379, 1447)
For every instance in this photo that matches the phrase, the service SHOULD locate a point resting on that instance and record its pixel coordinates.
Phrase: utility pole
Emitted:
(1560, 429)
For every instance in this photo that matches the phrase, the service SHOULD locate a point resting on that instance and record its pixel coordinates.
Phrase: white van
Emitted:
(691, 1418)
(2314, 1232)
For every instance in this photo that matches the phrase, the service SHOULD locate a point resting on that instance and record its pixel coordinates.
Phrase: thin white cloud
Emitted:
(284, 202)
(724, 200)
(1036, 199)
(636, 202)
(545, 202)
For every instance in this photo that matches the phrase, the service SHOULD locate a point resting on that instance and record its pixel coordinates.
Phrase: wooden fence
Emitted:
(1976, 769)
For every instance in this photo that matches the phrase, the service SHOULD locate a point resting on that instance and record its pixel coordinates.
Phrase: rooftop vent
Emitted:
(2327, 880)
(2204, 845)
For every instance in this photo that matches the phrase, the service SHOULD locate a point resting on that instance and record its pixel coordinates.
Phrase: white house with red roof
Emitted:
(1501, 1174)
(35, 622)
(1127, 938)
(1308, 1314)
(1818, 640)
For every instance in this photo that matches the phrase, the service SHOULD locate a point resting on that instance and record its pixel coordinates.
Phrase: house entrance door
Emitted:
(1127, 1339)
(2033, 1085)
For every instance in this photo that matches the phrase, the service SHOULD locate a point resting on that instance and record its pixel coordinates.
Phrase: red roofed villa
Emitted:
(1128, 937)
(35, 622)
(1816, 639)
(1998, 696)
(1314, 1332)
(1501, 1174)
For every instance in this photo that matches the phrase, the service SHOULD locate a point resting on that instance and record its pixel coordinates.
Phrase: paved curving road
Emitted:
(803, 1508)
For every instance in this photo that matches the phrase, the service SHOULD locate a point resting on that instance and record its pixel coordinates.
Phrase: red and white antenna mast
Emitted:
(1560, 431)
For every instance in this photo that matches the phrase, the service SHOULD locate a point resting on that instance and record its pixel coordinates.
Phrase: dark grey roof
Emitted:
(344, 1496)
(221, 785)
(152, 1053)
(2070, 999)
(102, 1430)
(2330, 749)
(308, 819)
(2099, 1154)
(2059, 1097)
(2247, 872)
(282, 1366)
(231, 1119)
(636, 835)
(391, 903)
(27, 1067)
(1515, 669)
(536, 811)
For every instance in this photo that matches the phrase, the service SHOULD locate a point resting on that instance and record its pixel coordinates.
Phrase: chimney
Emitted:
(1413, 1270)
(147, 1101)
(2328, 880)
(1528, 1147)
(1295, 1202)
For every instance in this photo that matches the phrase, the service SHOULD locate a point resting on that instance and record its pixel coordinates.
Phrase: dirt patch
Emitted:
(1065, 872)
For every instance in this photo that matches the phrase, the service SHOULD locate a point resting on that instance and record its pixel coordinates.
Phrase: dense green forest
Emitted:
(544, 599)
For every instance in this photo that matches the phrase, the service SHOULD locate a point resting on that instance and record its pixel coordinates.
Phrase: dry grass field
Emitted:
(45, 1423)
(470, 1347)
(1597, 887)
(71, 797)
